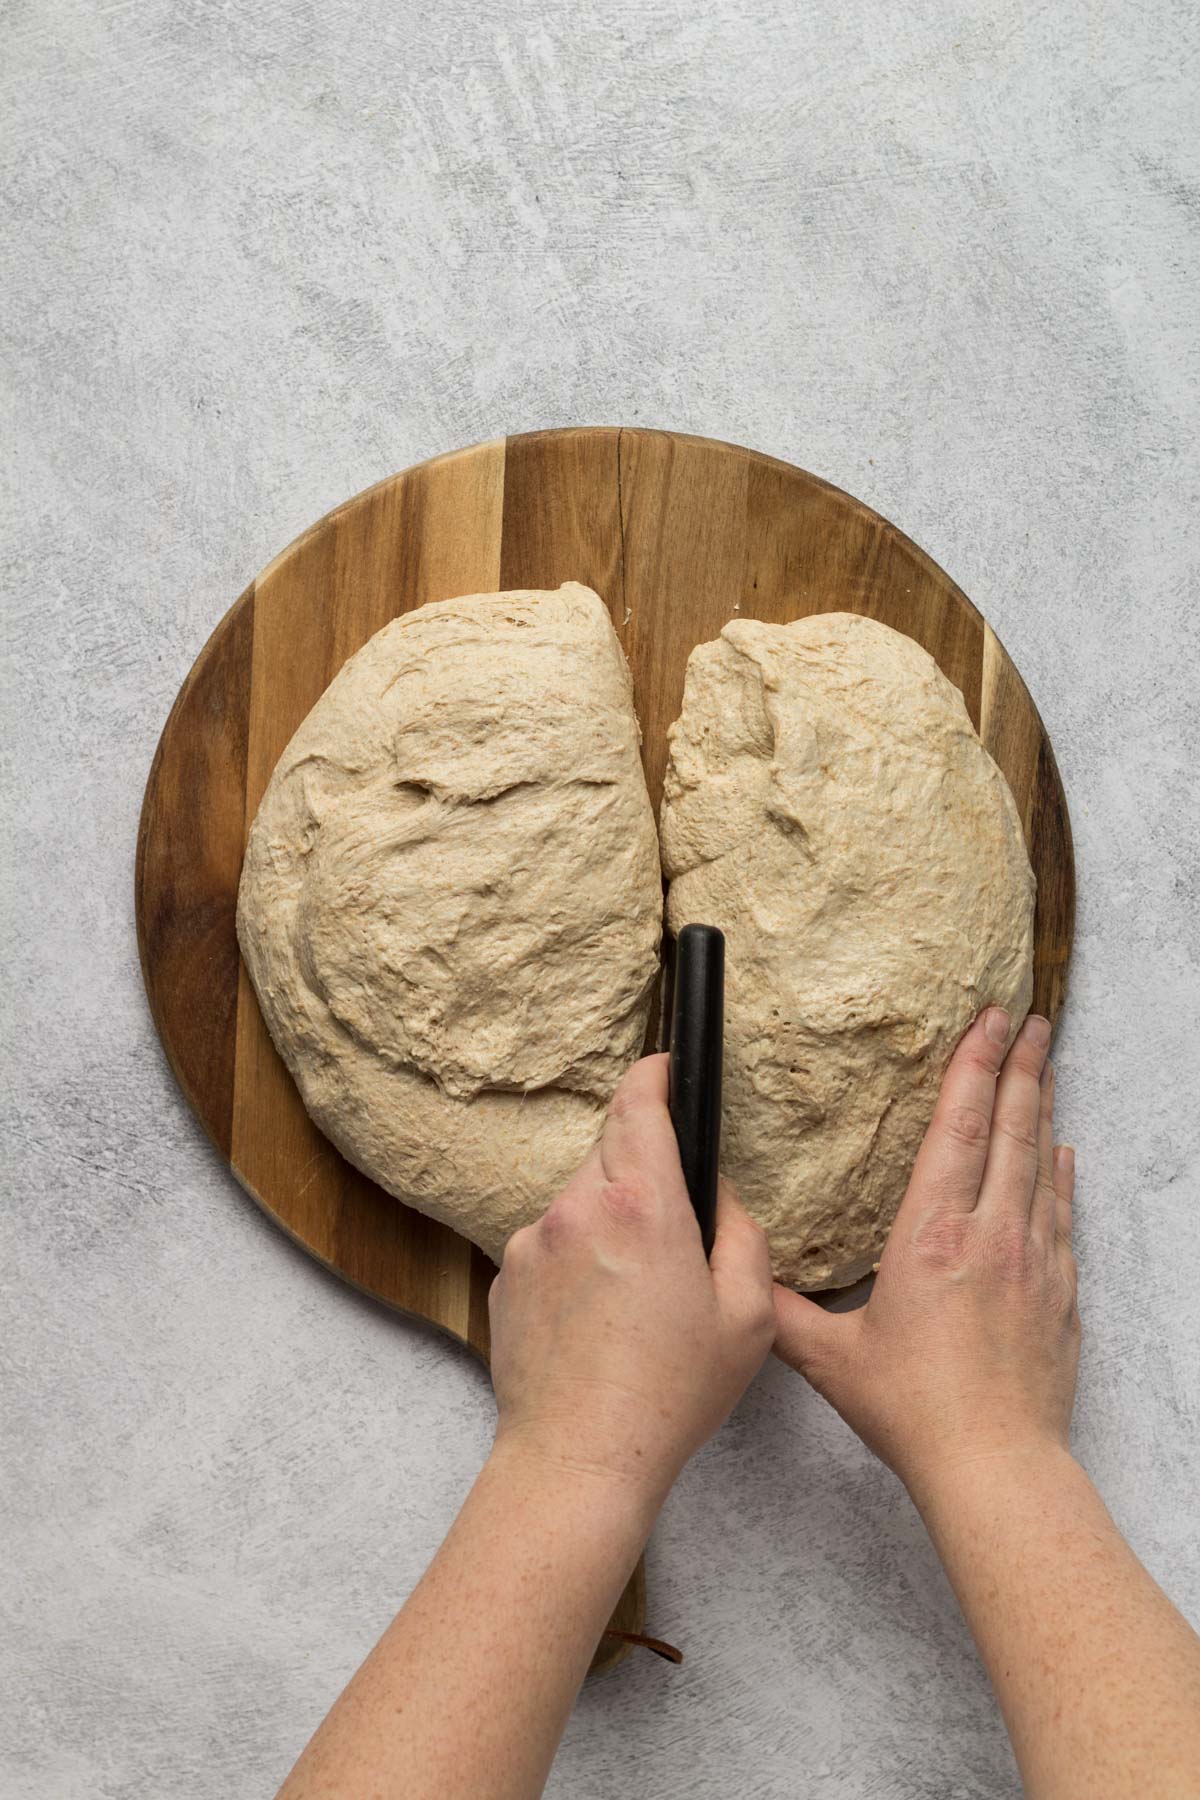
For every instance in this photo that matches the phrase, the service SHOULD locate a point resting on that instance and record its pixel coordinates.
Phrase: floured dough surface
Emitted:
(830, 807)
(451, 902)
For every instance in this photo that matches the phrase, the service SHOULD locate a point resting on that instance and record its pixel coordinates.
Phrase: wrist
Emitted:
(959, 1482)
(612, 1503)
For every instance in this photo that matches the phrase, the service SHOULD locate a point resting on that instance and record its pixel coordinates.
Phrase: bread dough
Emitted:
(829, 806)
(451, 902)
(450, 907)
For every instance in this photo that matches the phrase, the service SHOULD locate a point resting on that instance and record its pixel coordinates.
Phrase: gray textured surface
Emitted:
(259, 256)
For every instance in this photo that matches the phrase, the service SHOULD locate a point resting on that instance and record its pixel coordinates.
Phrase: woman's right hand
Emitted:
(617, 1349)
(968, 1346)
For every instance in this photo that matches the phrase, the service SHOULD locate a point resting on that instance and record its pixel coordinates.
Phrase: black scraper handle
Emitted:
(697, 1044)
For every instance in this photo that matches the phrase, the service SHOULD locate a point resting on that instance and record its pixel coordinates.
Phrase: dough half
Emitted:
(451, 902)
(829, 806)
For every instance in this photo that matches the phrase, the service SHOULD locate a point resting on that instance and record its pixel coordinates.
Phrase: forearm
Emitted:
(1097, 1674)
(469, 1690)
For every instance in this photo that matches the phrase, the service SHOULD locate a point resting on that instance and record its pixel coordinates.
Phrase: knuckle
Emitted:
(1043, 1192)
(943, 1240)
(1019, 1130)
(555, 1224)
(626, 1202)
(966, 1125)
(1009, 1250)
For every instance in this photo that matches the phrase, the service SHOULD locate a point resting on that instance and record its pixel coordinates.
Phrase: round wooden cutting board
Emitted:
(678, 534)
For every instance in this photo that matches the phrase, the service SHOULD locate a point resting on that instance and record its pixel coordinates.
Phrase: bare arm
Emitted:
(616, 1351)
(960, 1373)
(1097, 1674)
(469, 1689)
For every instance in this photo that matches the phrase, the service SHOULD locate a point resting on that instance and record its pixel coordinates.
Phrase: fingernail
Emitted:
(1037, 1030)
(996, 1023)
(1064, 1158)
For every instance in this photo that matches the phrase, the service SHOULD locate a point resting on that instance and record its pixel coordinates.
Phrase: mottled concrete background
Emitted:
(259, 256)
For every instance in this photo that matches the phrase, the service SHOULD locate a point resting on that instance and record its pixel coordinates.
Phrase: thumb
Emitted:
(740, 1251)
(809, 1339)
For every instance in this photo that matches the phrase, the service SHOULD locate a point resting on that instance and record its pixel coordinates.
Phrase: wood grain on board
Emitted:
(679, 534)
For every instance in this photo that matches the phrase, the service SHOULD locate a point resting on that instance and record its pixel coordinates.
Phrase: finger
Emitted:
(1010, 1173)
(1042, 1212)
(741, 1257)
(637, 1143)
(950, 1163)
(1064, 1205)
(1064, 1189)
(810, 1340)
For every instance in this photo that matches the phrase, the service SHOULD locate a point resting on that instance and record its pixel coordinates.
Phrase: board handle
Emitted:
(697, 1046)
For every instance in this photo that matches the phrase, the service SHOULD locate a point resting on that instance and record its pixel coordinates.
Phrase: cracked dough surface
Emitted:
(830, 807)
(451, 902)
